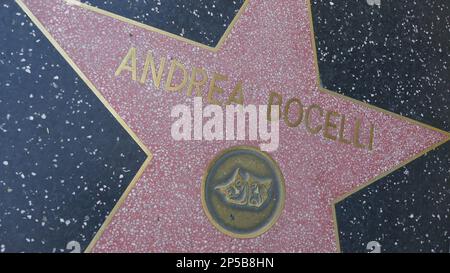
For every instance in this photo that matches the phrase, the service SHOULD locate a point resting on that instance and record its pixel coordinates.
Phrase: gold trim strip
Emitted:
(163, 32)
(61, 51)
(378, 109)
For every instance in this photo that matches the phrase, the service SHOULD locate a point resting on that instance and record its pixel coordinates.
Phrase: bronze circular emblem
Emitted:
(243, 192)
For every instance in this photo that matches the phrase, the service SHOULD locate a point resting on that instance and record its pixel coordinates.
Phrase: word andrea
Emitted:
(174, 76)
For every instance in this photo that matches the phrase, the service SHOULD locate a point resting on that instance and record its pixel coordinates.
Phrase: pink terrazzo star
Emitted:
(268, 49)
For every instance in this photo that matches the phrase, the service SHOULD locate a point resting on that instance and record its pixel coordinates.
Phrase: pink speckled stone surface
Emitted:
(269, 49)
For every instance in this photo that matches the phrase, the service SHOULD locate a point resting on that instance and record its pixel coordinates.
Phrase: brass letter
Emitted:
(175, 64)
(124, 64)
(356, 134)
(213, 88)
(198, 84)
(308, 119)
(329, 124)
(372, 129)
(300, 112)
(341, 131)
(236, 91)
(149, 62)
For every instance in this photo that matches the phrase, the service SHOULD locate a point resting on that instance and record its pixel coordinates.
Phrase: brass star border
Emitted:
(215, 49)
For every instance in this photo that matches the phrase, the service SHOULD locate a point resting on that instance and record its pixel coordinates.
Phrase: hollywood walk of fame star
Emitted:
(269, 49)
